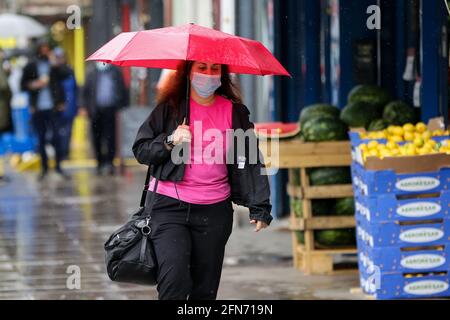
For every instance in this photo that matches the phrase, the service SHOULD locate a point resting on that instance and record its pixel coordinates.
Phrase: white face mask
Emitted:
(205, 85)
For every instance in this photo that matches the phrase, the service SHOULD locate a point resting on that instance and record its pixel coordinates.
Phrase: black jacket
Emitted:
(249, 187)
(57, 74)
(121, 95)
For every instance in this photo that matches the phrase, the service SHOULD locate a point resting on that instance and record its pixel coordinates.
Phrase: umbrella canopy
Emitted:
(166, 47)
(14, 26)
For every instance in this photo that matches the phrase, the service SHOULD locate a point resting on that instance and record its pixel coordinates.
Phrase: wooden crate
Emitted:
(307, 257)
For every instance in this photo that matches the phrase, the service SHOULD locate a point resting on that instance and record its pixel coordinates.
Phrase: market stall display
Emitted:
(403, 223)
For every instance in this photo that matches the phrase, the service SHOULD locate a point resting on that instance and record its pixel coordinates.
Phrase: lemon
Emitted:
(431, 144)
(421, 127)
(409, 136)
(372, 144)
(363, 135)
(426, 135)
(395, 152)
(411, 152)
(438, 133)
(390, 130)
(396, 138)
(409, 127)
(398, 131)
(373, 153)
(363, 147)
(418, 142)
(403, 151)
(391, 145)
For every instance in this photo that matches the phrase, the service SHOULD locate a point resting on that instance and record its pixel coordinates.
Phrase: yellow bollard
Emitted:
(2, 167)
(80, 139)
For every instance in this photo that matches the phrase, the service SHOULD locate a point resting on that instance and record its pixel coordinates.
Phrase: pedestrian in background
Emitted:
(5, 109)
(104, 94)
(69, 85)
(43, 82)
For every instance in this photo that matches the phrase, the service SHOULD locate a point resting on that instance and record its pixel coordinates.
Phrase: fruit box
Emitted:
(405, 259)
(396, 285)
(402, 175)
(387, 207)
(433, 124)
(388, 234)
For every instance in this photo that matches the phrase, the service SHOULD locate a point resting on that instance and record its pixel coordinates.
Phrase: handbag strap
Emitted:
(147, 186)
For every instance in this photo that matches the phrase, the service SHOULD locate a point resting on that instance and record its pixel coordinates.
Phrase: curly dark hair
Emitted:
(176, 91)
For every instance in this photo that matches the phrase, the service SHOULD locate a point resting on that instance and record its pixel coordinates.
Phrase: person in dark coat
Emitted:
(104, 94)
(192, 214)
(71, 107)
(43, 82)
(5, 110)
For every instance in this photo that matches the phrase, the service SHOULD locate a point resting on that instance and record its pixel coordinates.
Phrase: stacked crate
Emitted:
(298, 157)
(403, 225)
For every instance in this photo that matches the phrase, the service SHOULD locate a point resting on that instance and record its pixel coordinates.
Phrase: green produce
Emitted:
(329, 176)
(324, 129)
(399, 113)
(345, 207)
(318, 110)
(359, 114)
(337, 237)
(296, 207)
(378, 125)
(300, 236)
(369, 94)
(295, 177)
(322, 207)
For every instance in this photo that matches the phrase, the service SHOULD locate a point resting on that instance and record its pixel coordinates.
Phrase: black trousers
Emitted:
(189, 241)
(45, 122)
(103, 124)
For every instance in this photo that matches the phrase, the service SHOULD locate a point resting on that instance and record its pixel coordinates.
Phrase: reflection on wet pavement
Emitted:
(47, 227)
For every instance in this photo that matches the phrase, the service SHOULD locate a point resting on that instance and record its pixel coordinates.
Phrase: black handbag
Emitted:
(130, 255)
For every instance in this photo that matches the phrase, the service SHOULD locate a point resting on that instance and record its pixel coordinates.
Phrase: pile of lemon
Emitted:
(419, 146)
(408, 132)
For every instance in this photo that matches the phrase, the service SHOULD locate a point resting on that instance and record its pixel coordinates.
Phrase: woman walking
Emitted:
(192, 214)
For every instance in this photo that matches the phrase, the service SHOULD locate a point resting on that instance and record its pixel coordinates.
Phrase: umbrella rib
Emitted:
(127, 45)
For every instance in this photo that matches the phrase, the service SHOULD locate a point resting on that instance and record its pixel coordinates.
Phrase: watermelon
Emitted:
(277, 129)
(378, 125)
(318, 110)
(369, 94)
(296, 207)
(300, 236)
(359, 114)
(324, 129)
(295, 177)
(322, 207)
(399, 113)
(338, 237)
(330, 176)
(345, 207)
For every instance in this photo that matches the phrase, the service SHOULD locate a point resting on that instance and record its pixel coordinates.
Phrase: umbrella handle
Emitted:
(187, 100)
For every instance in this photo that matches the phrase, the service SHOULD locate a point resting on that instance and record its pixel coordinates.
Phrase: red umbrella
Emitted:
(166, 47)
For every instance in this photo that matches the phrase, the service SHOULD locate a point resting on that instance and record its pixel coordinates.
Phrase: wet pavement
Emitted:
(48, 228)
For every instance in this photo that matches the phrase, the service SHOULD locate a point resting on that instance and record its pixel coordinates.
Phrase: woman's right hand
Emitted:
(182, 134)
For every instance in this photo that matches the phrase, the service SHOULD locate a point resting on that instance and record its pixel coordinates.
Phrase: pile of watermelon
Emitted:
(374, 109)
(320, 122)
(328, 207)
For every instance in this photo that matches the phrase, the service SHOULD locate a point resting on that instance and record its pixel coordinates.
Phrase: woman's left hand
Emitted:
(259, 225)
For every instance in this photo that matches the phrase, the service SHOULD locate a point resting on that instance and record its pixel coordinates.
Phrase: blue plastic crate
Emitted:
(387, 286)
(393, 234)
(397, 259)
(371, 182)
(386, 207)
